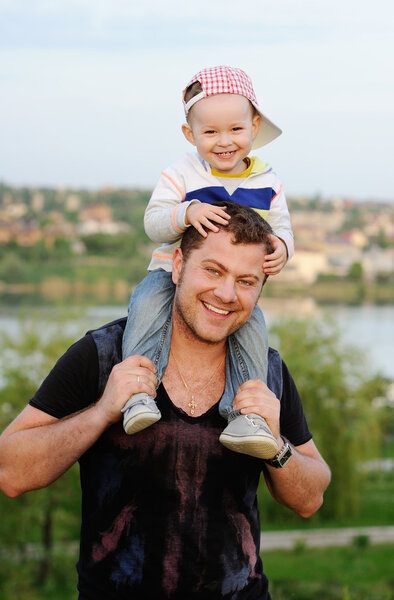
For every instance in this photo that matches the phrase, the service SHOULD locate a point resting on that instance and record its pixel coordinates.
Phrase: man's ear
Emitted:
(188, 133)
(177, 261)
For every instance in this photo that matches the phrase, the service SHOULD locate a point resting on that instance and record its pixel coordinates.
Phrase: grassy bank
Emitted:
(376, 509)
(338, 291)
(352, 573)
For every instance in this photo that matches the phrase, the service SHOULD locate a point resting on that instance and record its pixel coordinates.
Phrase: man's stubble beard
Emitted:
(185, 323)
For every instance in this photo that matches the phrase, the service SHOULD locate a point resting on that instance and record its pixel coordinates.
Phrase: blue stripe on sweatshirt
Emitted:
(255, 198)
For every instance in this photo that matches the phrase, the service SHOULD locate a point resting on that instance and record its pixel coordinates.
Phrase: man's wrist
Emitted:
(100, 417)
(283, 455)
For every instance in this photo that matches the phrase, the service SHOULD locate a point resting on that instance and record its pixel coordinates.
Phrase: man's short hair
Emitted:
(246, 227)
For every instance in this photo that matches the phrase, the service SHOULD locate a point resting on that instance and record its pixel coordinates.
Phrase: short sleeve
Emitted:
(73, 382)
(293, 423)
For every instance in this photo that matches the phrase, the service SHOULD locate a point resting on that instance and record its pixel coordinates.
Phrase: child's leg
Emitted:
(246, 358)
(148, 333)
(150, 309)
(247, 352)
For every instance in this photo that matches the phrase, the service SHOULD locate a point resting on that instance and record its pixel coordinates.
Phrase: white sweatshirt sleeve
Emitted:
(164, 219)
(279, 219)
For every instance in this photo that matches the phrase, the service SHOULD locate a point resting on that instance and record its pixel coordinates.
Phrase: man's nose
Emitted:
(225, 290)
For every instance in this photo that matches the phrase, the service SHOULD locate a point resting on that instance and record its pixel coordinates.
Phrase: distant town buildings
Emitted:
(331, 235)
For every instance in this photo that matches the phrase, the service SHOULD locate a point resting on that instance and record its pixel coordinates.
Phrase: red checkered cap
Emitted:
(222, 80)
(228, 80)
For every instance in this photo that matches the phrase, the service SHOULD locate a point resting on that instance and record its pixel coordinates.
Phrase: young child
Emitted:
(224, 122)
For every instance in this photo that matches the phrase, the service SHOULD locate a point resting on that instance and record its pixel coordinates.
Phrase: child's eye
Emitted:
(237, 128)
(210, 131)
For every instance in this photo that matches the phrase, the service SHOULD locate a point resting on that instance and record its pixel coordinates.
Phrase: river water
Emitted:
(369, 328)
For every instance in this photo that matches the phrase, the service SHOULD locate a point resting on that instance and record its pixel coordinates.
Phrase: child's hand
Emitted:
(275, 262)
(201, 213)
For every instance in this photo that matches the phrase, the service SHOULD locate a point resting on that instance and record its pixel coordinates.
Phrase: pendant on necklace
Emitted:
(192, 405)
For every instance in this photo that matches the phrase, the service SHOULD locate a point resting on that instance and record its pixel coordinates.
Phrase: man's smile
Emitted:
(218, 311)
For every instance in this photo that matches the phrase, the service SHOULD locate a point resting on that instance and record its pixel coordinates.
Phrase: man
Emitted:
(169, 512)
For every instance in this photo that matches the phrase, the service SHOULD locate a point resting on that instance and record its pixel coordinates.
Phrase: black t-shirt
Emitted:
(167, 513)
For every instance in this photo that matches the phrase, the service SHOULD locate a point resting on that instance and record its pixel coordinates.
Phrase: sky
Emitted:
(90, 90)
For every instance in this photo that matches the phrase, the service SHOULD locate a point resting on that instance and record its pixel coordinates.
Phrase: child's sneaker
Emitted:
(140, 411)
(249, 434)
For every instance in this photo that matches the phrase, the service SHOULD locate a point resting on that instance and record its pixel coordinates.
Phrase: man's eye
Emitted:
(246, 282)
(212, 271)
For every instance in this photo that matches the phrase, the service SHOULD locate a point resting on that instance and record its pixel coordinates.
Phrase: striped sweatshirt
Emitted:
(190, 180)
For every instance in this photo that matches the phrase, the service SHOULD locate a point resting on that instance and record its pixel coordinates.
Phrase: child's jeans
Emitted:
(149, 328)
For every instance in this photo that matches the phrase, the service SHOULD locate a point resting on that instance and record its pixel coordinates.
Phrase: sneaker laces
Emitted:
(251, 419)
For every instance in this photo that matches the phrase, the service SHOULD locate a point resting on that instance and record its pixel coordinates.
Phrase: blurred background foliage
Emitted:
(337, 396)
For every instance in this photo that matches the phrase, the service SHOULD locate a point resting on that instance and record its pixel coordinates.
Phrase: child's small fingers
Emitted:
(272, 270)
(273, 255)
(218, 219)
(219, 211)
(200, 230)
(272, 263)
(209, 225)
(225, 215)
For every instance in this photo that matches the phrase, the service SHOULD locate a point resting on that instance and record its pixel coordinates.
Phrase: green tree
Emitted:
(12, 267)
(356, 272)
(62, 249)
(121, 245)
(52, 513)
(332, 383)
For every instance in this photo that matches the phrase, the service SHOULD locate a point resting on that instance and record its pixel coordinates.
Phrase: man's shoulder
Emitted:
(116, 325)
(108, 340)
(72, 383)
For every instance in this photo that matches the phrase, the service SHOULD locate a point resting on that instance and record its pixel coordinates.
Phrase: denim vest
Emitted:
(108, 340)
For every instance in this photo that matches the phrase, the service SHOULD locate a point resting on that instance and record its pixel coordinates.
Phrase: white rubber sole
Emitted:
(254, 445)
(139, 421)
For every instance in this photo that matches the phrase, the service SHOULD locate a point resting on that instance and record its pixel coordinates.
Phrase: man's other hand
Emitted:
(254, 396)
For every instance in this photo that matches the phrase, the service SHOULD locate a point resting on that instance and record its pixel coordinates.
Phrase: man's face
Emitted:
(217, 286)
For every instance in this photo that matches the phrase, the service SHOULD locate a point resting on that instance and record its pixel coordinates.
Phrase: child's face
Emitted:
(222, 127)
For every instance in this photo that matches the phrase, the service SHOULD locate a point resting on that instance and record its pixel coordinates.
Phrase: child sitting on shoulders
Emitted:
(224, 122)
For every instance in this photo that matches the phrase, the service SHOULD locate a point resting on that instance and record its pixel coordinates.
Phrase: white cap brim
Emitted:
(267, 132)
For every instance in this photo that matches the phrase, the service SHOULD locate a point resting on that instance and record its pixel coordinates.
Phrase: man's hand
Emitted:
(253, 396)
(37, 448)
(275, 262)
(133, 375)
(201, 213)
